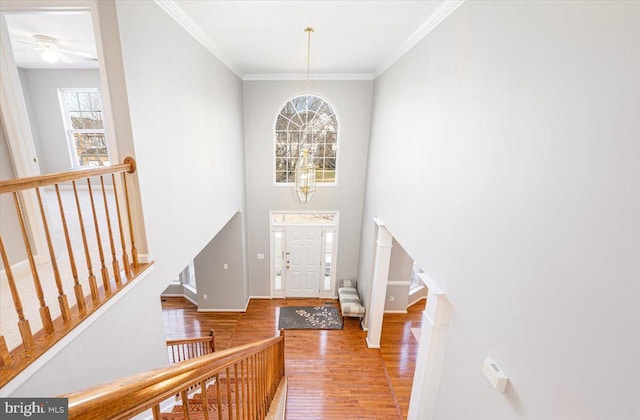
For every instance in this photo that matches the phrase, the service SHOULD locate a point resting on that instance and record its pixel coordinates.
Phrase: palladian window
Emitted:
(306, 123)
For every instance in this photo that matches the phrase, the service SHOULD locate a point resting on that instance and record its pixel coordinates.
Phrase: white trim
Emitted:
(40, 6)
(398, 282)
(176, 12)
(259, 297)
(222, 310)
(300, 76)
(179, 295)
(34, 367)
(416, 301)
(445, 9)
(19, 137)
(372, 346)
(395, 311)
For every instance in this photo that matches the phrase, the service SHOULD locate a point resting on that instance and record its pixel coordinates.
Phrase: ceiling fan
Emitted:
(51, 52)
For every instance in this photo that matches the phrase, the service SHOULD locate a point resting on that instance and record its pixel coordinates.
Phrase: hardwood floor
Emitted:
(399, 350)
(331, 373)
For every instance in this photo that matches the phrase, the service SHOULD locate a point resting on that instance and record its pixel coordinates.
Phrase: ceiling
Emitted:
(263, 39)
(72, 30)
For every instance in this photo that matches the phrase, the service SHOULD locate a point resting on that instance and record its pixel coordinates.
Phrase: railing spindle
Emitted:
(243, 390)
(229, 400)
(114, 261)
(134, 252)
(45, 314)
(235, 379)
(5, 356)
(93, 285)
(205, 399)
(103, 269)
(219, 400)
(62, 297)
(185, 405)
(156, 412)
(125, 256)
(77, 287)
(23, 323)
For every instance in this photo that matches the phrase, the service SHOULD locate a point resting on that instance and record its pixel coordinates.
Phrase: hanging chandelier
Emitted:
(305, 168)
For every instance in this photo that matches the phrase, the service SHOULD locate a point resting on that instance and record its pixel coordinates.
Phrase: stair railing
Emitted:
(89, 222)
(187, 348)
(246, 380)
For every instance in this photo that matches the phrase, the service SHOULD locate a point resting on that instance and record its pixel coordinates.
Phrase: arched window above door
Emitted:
(309, 123)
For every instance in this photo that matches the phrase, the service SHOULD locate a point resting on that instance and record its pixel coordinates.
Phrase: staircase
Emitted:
(237, 383)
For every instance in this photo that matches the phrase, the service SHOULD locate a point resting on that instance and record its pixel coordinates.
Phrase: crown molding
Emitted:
(173, 10)
(445, 9)
(302, 77)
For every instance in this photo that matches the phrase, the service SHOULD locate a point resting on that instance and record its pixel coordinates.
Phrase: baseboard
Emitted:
(416, 301)
(260, 297)
(396, 312)
(370, 346)
(19, 269)
(222, 310)
(179, 295)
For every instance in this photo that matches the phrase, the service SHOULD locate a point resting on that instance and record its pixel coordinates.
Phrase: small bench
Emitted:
(349, 299)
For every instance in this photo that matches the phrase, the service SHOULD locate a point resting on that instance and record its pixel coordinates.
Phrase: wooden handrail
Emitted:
(180, 349)
(21, 184)
(49, 278)
(134, 394)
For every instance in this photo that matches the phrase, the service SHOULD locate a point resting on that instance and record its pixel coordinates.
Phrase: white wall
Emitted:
(40, 88)
(186, 116)
(514, 129)
(262, 102)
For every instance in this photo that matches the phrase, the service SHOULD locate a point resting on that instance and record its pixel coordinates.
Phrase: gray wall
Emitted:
(224, 288)
(40, 88)
(519, 123)
(262, 103)
(400, 266)
(9, 226)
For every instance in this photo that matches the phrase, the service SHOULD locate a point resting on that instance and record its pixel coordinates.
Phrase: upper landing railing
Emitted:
(85, 219)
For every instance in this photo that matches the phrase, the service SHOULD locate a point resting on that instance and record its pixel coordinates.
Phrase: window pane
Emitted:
(96, 102)
(91, 149)
(84, 98)
(72, 101)
(312, 126)
(76, 120)
(328, 258)
(277, 259)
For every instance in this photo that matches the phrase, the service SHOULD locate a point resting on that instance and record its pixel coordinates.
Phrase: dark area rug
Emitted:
(309, 318)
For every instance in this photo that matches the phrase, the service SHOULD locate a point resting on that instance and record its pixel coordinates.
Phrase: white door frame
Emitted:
(280, 227)
(14, 111)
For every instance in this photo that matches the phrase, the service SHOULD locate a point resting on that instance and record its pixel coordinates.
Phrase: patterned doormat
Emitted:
(309, 318)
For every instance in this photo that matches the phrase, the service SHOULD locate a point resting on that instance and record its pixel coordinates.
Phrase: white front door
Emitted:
(303, 261)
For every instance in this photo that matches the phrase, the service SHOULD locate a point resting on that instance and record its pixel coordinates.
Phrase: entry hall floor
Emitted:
(331, 373)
